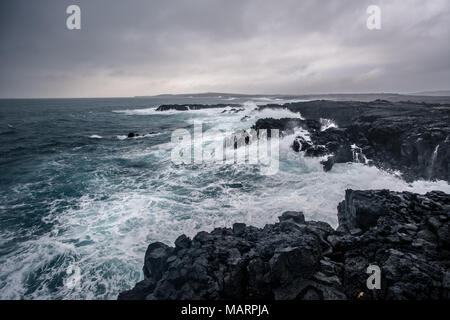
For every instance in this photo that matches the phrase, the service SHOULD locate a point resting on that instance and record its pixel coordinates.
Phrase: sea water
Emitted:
(77, 194)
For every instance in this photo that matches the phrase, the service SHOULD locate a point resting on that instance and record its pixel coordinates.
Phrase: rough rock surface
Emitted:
(286, 125)
(407, 235)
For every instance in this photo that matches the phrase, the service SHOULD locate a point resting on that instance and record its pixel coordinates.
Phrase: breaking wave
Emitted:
(96, 207)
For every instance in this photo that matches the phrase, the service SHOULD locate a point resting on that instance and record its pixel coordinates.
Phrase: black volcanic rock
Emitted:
(411, 137)
(155, 260)
(407, 235)
(418, 144)
(285, 125)
(397, 236)
(342, 112)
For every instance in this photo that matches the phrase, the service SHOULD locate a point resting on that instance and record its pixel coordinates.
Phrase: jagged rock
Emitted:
(295, 216)
(155, 260)
(238, 228)
(405, 234)
(183, 242)
(413, 138)
(285, 125)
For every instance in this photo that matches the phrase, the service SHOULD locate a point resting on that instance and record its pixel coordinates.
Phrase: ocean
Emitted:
(77, 197)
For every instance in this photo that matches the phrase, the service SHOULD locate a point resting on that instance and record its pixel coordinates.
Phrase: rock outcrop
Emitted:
(407, 235)
(413, 138)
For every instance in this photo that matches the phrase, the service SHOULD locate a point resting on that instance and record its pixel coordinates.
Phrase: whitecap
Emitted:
(124, 137)
(327, 124)
(106, 231)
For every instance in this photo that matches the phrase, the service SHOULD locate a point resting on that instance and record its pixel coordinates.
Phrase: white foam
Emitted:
(95, 136)
(117, 229)
(148, 135)
(276, 114)
(105, 232)
(327, 124)
(139, 112)
(152, 111)
(249, 104)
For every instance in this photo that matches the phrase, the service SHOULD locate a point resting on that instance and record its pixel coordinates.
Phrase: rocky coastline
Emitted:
(412, 138)
(407, 235)
(408, 137)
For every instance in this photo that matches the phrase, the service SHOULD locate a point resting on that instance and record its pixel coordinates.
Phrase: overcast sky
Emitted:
(146, 47)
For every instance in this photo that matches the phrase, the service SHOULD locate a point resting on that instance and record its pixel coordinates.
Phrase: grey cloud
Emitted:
(139, 47)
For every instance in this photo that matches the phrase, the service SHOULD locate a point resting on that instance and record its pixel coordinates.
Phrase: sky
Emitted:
(149, 47)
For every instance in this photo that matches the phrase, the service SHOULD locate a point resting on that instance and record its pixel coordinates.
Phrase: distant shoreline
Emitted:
(442, 96)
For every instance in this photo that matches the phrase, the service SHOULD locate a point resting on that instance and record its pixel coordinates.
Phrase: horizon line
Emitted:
(423, 93)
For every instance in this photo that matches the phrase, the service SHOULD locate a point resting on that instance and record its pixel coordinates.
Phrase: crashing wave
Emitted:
(327, 124)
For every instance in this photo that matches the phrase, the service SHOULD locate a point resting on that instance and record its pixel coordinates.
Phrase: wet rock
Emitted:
(183, 242)
(140, 291)
(285, 125)
(238, 228)
(295, 216)
(413, 138)
(156, 260)
(301, 144)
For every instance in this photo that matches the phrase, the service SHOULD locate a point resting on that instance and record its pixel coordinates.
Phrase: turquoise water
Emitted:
(74, 192)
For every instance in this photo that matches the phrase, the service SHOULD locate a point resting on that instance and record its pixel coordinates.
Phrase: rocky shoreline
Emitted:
(412, 138)
(407, 235)
(408, 137)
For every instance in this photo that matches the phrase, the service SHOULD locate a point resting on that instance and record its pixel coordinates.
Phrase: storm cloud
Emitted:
(138, 47)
